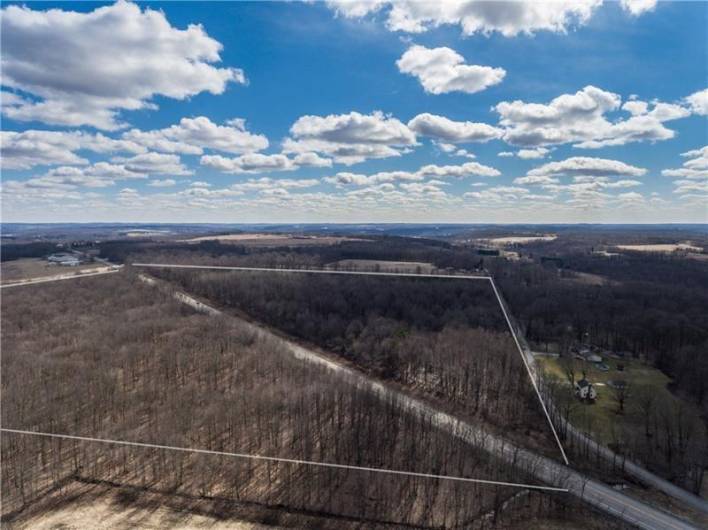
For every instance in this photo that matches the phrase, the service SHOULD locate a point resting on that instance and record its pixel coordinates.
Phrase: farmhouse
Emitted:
(584, 389)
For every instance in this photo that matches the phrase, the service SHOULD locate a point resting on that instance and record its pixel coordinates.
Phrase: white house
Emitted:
(584, 389)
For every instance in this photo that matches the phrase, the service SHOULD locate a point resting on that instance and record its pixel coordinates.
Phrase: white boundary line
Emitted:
(283, 460)
(528, 369)
(404, 274)
(312, 271)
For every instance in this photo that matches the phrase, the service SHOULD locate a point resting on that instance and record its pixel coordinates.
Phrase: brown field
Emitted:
(384, 266)
(35, 268)
(661, 247)
(588, 278)
(272, 240)
(520, 240)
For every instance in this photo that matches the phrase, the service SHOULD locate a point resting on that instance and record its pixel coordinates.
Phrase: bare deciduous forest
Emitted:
(113, 358)
(650, 306)
(444, 338)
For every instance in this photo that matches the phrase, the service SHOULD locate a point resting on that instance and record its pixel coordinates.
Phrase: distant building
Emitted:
(64, 259)
(586, 354)
(488, 251)
(619, 384)
(584, 389)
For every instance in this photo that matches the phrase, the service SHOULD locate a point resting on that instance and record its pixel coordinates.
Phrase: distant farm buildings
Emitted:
(63, 259)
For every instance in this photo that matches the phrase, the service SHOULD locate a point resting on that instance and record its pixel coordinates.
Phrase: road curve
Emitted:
(548, 471)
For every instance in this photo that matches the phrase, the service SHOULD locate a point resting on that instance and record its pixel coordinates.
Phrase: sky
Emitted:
(268, 112)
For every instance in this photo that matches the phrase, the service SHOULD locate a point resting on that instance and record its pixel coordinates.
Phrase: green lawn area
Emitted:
(601, 418)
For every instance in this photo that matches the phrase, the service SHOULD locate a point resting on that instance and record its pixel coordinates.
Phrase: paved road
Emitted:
(59, 277)
(548, 471)
(632, 469)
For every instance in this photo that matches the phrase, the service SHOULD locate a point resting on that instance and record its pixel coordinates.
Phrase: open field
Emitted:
(35, 268)
(685, 246)
(273, 240)
(81, 505)
(520, 240)
(587, 278)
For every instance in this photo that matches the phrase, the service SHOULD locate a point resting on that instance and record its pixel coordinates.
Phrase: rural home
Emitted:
(584, 389)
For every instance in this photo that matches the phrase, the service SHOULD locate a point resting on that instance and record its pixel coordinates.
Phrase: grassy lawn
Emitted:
(601, 418)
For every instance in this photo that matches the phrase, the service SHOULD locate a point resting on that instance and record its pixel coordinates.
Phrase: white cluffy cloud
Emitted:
(30, 148)
(162, 183)
(638, 7)
(64, 181)
(192, 135)
(447, 130)
(582, 166)
(443, 70)
(350, 138)
(474, 16)
(84, 68)
(430, 171)
(154, 164)
(698, 102)
(250, 163)
(695, 168)
(532, 154)
(590, 181)
(581, 118)
(258, 162)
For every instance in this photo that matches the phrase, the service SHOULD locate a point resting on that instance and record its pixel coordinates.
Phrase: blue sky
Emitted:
(570, 111)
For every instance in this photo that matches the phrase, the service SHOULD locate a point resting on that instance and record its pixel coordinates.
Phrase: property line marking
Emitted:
(528, 369)
(284, 460)
(312, 271)
(405, 274)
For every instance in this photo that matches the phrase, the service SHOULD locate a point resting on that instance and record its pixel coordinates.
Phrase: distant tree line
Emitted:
(13, 251)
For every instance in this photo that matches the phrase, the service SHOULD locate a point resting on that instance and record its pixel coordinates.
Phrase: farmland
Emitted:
(662, 247)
